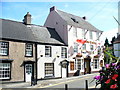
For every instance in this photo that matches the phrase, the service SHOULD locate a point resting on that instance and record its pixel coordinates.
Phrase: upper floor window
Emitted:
(4, 48)
(29, 50)
(91, 34)
(83, 34)
(91, 47)
(97, 35)
(47, 51)
(74, 31)
(84, 47)
(75, 47)
(64, 52)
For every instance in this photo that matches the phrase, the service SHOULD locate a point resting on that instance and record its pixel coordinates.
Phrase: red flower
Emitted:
(115, 76)
(113, 86)
(108, 81)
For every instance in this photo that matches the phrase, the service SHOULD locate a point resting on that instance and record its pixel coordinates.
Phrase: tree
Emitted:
(106, 43)
(113, 39)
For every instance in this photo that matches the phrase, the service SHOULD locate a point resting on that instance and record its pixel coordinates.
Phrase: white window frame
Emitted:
(91, 47)
(5, 72)
(74, 31)
(96, 63)
(49, 69)
(63, 52)
(48, 51)
(97, 36)
(84, 46)
(28, 50)
(83, 34)
(4, 48)
(91, 34)
(79, 63)
(75, 47)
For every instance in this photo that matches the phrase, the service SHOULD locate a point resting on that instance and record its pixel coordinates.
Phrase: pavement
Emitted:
(46, 83)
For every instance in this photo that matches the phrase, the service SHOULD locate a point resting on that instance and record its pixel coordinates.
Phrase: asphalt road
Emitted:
(76, 83)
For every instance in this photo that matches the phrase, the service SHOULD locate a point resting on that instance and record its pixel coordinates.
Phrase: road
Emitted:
(78, 82)
(74, 83)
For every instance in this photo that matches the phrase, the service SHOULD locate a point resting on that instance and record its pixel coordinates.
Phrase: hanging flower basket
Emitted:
(79, 55)
(96, 56)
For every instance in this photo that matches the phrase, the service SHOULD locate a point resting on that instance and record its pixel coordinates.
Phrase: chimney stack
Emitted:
(27, 19)
(52, 8)
(84, 17)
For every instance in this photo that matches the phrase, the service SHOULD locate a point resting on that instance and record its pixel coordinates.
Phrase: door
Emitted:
(28, 72)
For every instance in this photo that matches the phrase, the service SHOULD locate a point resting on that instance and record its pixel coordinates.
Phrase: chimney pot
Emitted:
(84, 17)
(52, 8)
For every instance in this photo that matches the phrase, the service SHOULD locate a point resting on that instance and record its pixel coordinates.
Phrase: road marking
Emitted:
(63, 82)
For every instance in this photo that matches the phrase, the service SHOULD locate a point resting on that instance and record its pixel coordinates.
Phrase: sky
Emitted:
(99, 14)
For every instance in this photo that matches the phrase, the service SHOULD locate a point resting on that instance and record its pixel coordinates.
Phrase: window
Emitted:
(29, 50)
(4, 70)
(75, 47)
(71, 65)
(47, 51)
(83, 34)
(4, 48)
(78, 64)
(91, 47)
(74, 32)
(96, 64)
(84, 47)
(64, 52)
(49, 69)
(91, 34)
(97, 35)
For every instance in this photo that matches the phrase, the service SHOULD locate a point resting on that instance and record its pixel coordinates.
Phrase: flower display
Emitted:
(109, 77)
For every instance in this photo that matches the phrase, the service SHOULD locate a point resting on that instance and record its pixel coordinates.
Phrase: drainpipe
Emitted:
(36, 61)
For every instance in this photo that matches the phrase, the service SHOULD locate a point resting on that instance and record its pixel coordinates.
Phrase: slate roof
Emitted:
(76, 21)
(34, 33)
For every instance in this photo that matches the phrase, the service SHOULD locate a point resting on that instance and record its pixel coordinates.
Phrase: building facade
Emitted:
(83, 40)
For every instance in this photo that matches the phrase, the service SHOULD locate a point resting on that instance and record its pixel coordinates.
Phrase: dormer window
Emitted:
(74, 20)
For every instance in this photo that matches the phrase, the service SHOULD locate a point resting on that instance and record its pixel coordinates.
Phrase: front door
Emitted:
(28, 72)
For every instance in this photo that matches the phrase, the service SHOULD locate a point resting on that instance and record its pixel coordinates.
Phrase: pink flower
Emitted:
(97, 77)
(107, 65)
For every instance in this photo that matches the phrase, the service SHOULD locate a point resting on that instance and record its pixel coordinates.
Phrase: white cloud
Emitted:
(109, 34)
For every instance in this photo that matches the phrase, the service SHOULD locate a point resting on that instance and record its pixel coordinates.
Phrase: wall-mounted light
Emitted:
(41, 55)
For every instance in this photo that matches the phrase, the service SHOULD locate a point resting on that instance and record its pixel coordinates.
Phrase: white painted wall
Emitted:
(56, 51)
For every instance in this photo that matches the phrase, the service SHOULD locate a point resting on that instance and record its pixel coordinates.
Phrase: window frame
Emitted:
(5, 70)
(46, 74)
(91, 47)
(74, 31)
(26, 50)
(75, 47)
(63, 52)
(48, 51)
(4, 48)
(79, 63)
(91, 35)
(84, 47)
(96, 63)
